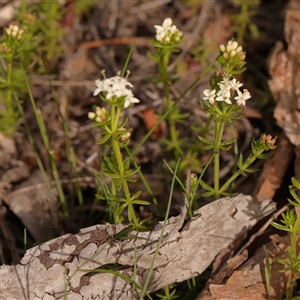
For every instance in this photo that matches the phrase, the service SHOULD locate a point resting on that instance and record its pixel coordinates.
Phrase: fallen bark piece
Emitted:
(34, 203)
(249, 281)
(64, 266)
(284, 68)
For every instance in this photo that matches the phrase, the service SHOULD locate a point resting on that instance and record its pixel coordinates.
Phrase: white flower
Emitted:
(167, 33)
(232, 49)
(224, 95)
(167, 23)
(209, 95)
(116, 87)
(242, 97)
(14, 31)
(235, 84)
(224, 92)
(226, 80)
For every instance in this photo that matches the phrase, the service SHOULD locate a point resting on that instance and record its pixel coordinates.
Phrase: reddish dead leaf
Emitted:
(151, 120)
(140, 41)
(68, 20)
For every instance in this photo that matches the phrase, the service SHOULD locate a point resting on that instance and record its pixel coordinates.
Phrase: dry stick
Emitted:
(141, 41)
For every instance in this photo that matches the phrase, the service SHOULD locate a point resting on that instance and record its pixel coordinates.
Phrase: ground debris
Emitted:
(194, 246)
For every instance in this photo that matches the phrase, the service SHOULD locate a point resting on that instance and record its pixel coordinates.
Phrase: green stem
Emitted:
(9, 98)
(23, 9)
(118, 155)
(163, 65)
(246, 164)
(289, 293)
(219, 128)
(165, 115)
(293, 240)
(117, 152)
(52, 30)
(115, 203)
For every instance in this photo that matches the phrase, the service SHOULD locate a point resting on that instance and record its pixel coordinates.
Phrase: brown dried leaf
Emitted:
(272, 176)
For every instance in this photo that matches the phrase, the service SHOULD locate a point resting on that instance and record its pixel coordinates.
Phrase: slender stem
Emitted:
(115, 115)
(113, 129)
(293, 241)
(163, 65)
(219, 128)
(289, 293)
(115, 203)
(246, 164)
(118, 155)
(165, 115)
(52, 30)
(9, 98)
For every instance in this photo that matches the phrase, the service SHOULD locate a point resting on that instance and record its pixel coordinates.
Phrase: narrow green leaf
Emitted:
(206, 186)
(208, 194)
(104, 139)
(268, 274)
(119, 210)
(280, 227)
(140, 202)
(206, 141)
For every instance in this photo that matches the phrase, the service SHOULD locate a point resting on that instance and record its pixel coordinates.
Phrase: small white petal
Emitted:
(97, 91)
(91, 115)
(167, 22)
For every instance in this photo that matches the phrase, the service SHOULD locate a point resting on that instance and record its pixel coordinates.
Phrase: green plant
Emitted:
(168, 295)
(243, 24)
(167, 38)
(49, 31)
(115, 91)
(291, 224)
(28, 43)
(11, 81)
(225, 103)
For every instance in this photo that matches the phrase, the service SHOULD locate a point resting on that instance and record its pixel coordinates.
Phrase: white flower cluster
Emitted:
(99, 115)
(167, 33)
(116, 87)
(14, 31)
(232, 49)
(227, 89)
